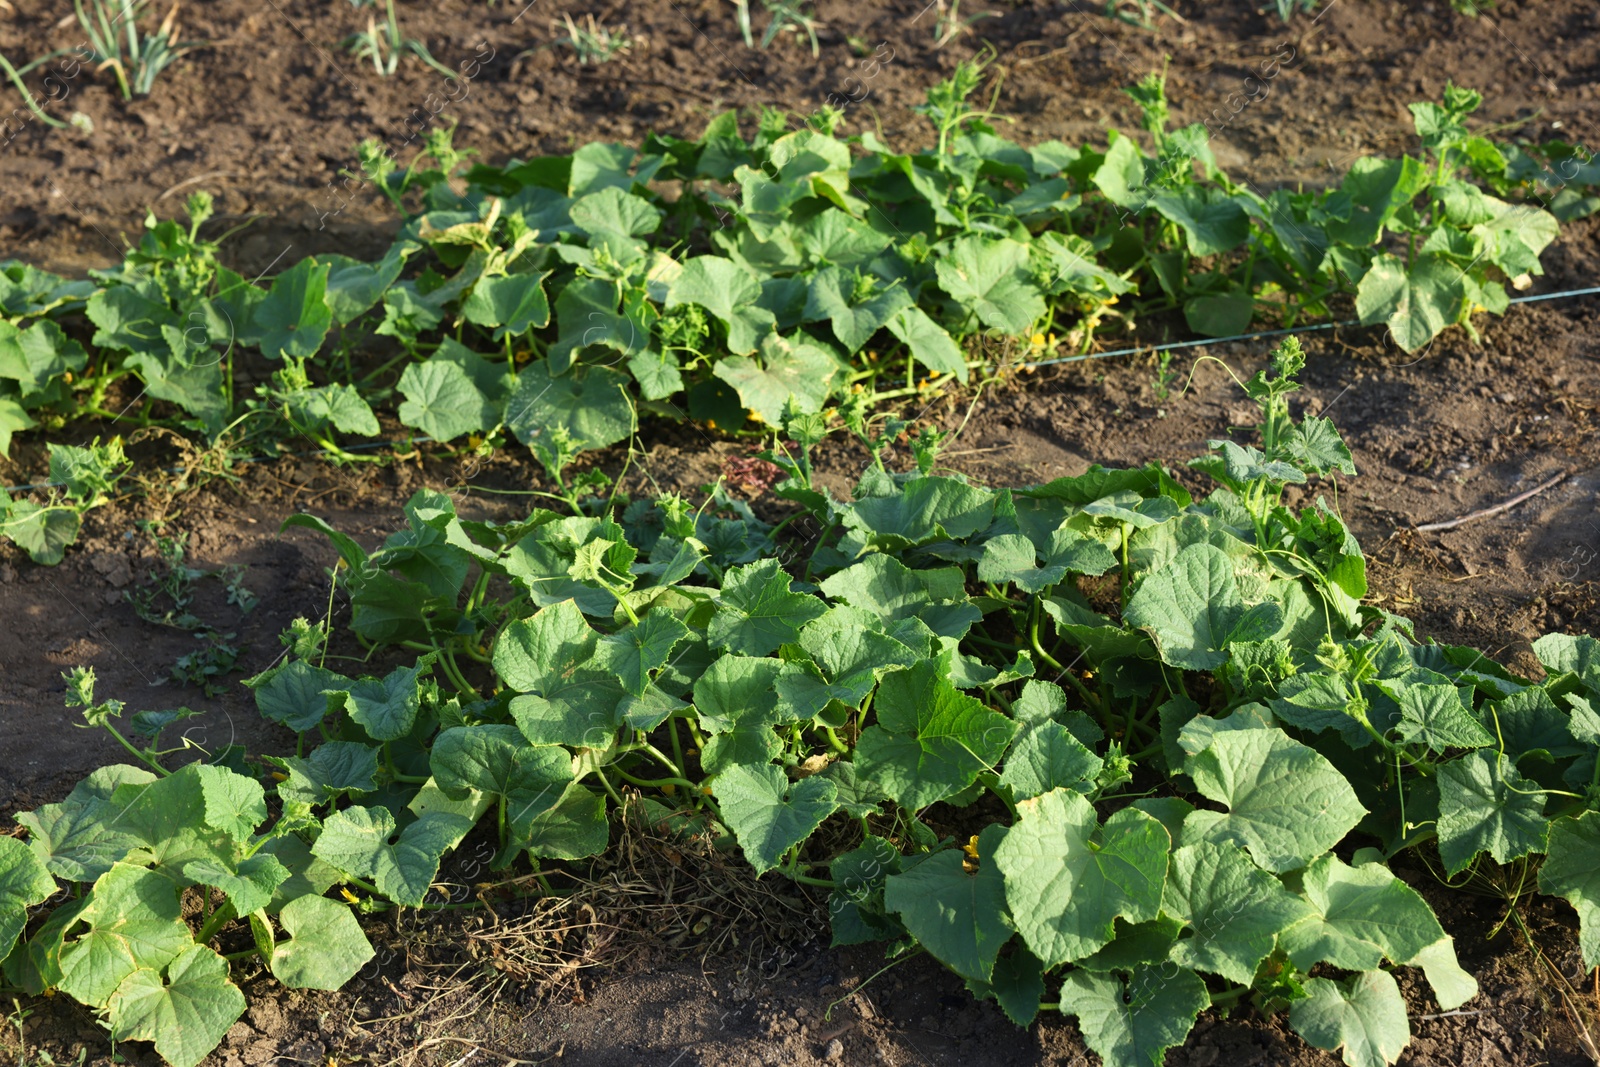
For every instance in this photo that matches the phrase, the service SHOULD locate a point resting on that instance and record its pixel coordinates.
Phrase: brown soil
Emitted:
(270, 116)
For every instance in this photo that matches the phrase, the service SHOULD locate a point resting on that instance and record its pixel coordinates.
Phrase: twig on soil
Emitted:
(1446, 1015)
(207, 176)
(1484, 513)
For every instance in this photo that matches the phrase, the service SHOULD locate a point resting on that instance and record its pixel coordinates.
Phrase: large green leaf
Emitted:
(362, 842)
(338, 405)
(294, 317)
(634, 653)
(757, 611)
(24, 882)
(134, 923)
(929, 343)
(190, 837)
(1233, 909)
(1572, 870)
(1433, 713)
(37, 356)
(78, 839)
(1416, 303)
(788, 369)
(184, 1007)
(1068, 879)
(513, 304)
(495, 759)
(1363, 1018)
(326, 946)
(590, 403)
(1193, 607)
(991, 280)
(128, 317)
(960, 918)
(1376, 188)
(925, 509)
(386, 708)
(573, 827)
(1286, 803)
(355, 286)
(730, 293)
(855, 317)
(930, 740)
(1048, 757)
(1212, 223)
(1014, 558)
(568, 699)
(443, 402)
(1133, 1024)
(297, 695)
(1578, 655)
(1364, 915)
(42, 532)
(883, 585)
(186, 377)
(1486, 806)
(768, 814)
(334, 769)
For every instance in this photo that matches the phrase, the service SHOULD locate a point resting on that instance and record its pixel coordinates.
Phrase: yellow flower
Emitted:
(475, 441)
(523, 356)
(669, 789)
(712, 423)
(1036, 341)
(971, 847)
(351, 897)
(279, 776)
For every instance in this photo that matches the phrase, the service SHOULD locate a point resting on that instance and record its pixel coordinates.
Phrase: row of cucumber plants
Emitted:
(556, 300)
(1099, 747)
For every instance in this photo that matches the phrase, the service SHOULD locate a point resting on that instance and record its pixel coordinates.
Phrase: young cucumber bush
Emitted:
(554, 300)
(1178, 747)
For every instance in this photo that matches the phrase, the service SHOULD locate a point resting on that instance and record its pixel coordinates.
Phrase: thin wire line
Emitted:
(1138, 349)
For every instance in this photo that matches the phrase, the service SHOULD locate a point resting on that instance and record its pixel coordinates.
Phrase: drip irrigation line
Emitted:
(1139, 349)
(365, 445)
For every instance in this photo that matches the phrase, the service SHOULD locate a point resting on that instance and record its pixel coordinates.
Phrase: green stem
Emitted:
(657, 783)
(457, 679)
(219, 918)
(611, 789)
(125, 743)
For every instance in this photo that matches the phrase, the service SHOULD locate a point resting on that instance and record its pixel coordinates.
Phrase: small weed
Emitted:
(1140, 13)
(594, 42)
(1165, 376)
(207, 665)
(137, 60)
(951, 25)
(1287, 8)
(17, 1019)
(783, 15)
(167, 601)
(385, 44)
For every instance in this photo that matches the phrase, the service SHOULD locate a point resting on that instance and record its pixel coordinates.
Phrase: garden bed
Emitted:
(266, 123)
